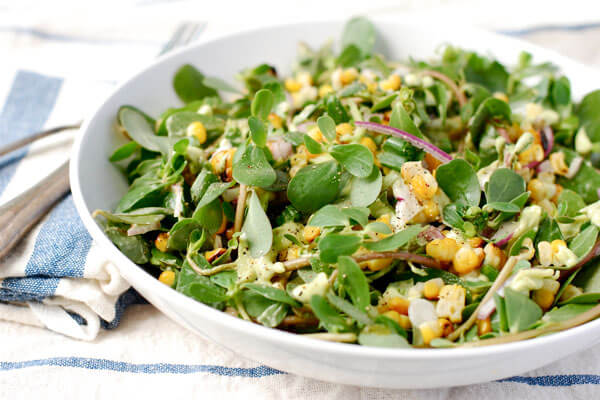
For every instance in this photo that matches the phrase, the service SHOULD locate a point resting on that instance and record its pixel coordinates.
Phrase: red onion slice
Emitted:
(430, 233)
(547, 143)
(415, 141)
(460, 96)
(489, 307)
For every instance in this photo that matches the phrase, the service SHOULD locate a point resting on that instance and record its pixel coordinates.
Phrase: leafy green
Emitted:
(504, 185)
(588, 112)
(257, 228)
(394, 241)
(354, 282)
(459, 181)
(521, 312)
(258, 130)
(189, 84)
(334, 245)
(359, 32)
(180, 233)
(491, 109)
(262, 104)
(364, 191)
(273, 293)
(355, 158)
(328, 316)
(314, 186)
(253, 168)
(134, 247)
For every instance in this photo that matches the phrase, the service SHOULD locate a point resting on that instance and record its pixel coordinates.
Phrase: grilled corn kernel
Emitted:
(393, 315)
(392, 83)
(541, 190)
(431, 288)
(311, 233)
(430, 210)
(442, 249)
(343, 129)
(405, 322)
(424, 186)
(292, 85)
(222, 160)
(197, 130)
(534, 153)
(167, 277)
(348, 76)
(557, 160)
(484, 326)
(324, 90)
(411, 169)
(292, 253)
(399, 304)
(378, 264)
(451, 302)
(570, 292)
(446, 326)
(316, 134)
(467, 259)
(527, 249)
(430, 330)
(275, 120)
(369, 144)
(556, 245)
(475, 242)
(545, 253)
(544, 297)
(161, 241)
(212, 255)
(501, 96)
(494, 256)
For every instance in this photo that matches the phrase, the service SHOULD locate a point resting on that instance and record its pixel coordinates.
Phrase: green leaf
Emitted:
(347, 308)
(334, 245)
(501, 311)
(400, 119)
(350, 56)
(383, 102)
(179, 235)
(548, 231)
(354, 282)
(371, 336)
(336, 109)
(141, 131)
(358, 214)
(329, 216)
(585, 182)
(359, 32)
(588, 278)
(178, 123)
(459, 181)
(504, 207)
(355, 158)
(209, 216)
(253, 168)
(257, 228)
(584, 242)
(312, 145)
(327, 127)
(314, 186)
(327, 315)
(504, 185)
(214, 191)
(258, 130)
(124, 152)
(219, 84)
(262, 104)
(273, 315)
(199, 287)
(203, 181)
(273, 293)
(588, 112)
(134, 247)
(442, 98)
(394, 242)
(569, 203)
(586, 298)
(144, 192)
(189, 85)
(364, 191)
(490, 109)
(566, 312)
(521, 312)
(140, 216)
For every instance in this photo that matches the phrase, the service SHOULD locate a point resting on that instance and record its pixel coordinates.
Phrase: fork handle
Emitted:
(20, 214)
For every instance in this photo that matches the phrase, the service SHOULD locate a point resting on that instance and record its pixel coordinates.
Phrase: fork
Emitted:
(20, 214)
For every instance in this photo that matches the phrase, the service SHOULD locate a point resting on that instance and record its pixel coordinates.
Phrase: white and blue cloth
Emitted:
(58, 279)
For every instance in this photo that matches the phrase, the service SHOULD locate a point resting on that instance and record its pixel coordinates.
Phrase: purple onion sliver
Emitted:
(504, 240)
(415, 141)
(548, 134)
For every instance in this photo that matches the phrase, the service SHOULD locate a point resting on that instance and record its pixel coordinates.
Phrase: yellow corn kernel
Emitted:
(348, 76)
(344, 129)
(467, 259)
(292, 85)
(535, 152)
(378, 264)
(430, 210)
(424, 186)
(212, 255)
(541, 190)
(316, 134)
(161, 241)
(545, 253)
(405, 322)
(292, 253)
(431, 288)
(501, 96)
(311, 233)
(430, 330)
(527, 249)
(557, 160)
(556, 245)
(392, 83)
(451, 302)
(369, 144)
(393, 315)
(324, 90)
(167, 277)
(197, 130)
(222, 160)
(411, 169)
(484, 326)
(275, 120)
(442, 249)
(446, 326)
(399, 304)
(494, 256)
(544, 297)
(304, 78)
(475, 242)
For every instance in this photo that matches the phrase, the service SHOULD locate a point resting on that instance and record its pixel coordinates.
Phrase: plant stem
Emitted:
(240, 208)
(333, 337)
(209, 271)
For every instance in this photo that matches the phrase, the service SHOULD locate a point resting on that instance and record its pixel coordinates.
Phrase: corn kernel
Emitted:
(343, 129)
(494, 256)
(484, 326)
(545, 253)
(451, 302)
(430, 330)
(405, 322)
(442, 249)
(369, 144)
(378, 264)
(161, 241)
(222, 160)
(311, 233)
(315, 133)
(167, 277)
(475, 242)
(304, 78)
(392, 83)
(541, 190)
(467, 259)
(348, 76)
(292, 85)
(431, 288)
(393, 315)
(544, 297)
(223, 226)
(446, 326)
(534, 153)
(324, 90)
(411, 169)
(501, 96)
(557, 160)
(197, 130)
(212, 255)
(292, 253)
(275, 120)
(424, 186)
(430, 210)
(570, 292)
(556, 245)
(399, 304)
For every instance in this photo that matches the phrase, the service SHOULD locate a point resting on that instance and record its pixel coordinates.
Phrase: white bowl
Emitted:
(96, 184)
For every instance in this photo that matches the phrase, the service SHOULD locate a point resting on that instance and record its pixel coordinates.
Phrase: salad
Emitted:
(450, 202)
